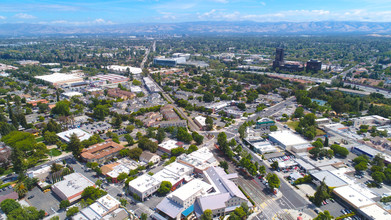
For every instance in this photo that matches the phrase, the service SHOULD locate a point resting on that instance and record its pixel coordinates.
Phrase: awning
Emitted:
(188, 211)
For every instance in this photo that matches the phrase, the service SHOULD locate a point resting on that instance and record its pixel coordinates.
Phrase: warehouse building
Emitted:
(289, 141)
(71, 187)
(57, 79)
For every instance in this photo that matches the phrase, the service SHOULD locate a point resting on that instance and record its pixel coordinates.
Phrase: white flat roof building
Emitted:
(168, 145)
(143, 186)
(81, 134)
(375, 212)
(72, 186)
(60, 78)
(287, 139)
(133, 70)
(200, 159)
(175, 173)
(71, 94)
(200, 121)
(353, 197)
(136, 89)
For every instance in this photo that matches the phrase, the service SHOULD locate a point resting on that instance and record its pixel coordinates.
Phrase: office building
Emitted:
(279, 59)
(313, 65)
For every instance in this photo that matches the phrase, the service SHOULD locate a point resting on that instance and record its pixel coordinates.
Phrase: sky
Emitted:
(106, 12)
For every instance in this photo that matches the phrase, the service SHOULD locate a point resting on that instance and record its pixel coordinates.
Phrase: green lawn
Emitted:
(39, 139)
(54, 152)
(293, 124)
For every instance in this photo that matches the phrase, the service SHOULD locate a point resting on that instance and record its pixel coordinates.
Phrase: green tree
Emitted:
(207, 215)
(161, 134)
(378, 177)
(30, 213)
(21, 189)
(191, 149)
(75, 146)
(299, 112)
(164, 188)
(326, 142)
(223, 164)
(72, 211)
(273, 128)
(100, 112)
(62, 108)
(197, 138)
(321, 194)
(64, 204)
(262, 169)
(274, 165)
(50, 137)
(123, 202)
(129, 139)
(273, 180)
(324, 216)
(98, 182)
(361, 166)
(122, 176)
(143, 216)
(8, 205)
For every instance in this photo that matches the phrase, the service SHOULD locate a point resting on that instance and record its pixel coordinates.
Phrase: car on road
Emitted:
(30, 197)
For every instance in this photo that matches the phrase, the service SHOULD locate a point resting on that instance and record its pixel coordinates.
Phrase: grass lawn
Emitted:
(39, 139)
(55, 152)
(293, 124)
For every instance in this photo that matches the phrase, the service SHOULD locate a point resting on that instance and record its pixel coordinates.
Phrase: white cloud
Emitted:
(24, 16)
(2, 17)
(263, 3)
(221, 1)
(98, 21)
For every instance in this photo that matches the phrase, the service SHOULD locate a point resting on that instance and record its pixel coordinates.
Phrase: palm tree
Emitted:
(20, 189)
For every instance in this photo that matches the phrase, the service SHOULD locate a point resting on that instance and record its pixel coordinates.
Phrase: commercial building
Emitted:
(370, 152)
(122, 94)
(162, 61)
(180, 203)
(227, 195)
(71, 187)
(372, 120)
(148, 157)
(57, 79)
(176, 173)
(200, 159)
(102, 208)
(322, 121)
(28, 62)
(200, 122)
(69, 95)
(123, 165)
(375, 212)
(217, 106)
(144, 186)
(353, 197)
(150, 85)
(136, 89)
(264, 123)
(289, 141)
(261, 145)
(176, 123)
(81, 134)
(101, 152)
(328, 177)
(313, 65)
(125, 69)
(111, 78)
(167, 145)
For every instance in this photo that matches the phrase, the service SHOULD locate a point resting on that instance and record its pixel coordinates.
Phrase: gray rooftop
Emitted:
(330, 179)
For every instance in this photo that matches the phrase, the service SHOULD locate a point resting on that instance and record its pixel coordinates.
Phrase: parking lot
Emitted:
(46, 201)
(336, 209)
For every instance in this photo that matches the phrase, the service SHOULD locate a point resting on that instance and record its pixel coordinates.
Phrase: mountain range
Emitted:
(204, 27)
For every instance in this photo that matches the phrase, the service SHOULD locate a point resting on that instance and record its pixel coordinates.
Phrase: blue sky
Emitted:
(99, 12)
